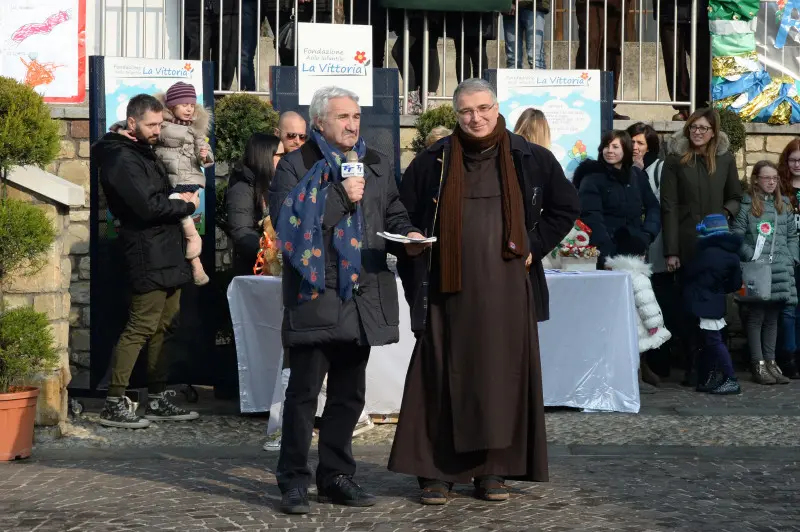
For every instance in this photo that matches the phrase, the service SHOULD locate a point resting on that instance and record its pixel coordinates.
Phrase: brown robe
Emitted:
(472, 403)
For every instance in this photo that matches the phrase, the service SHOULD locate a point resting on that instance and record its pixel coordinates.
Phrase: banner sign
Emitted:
(334, 54)
(127, 77)
(570, 99)
(43, 44)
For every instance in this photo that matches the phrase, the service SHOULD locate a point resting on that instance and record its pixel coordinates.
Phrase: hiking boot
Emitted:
(343, 490)
(118, 412)
(775, 371)
(730, 386)
(713, 380)
(491, 488)
(159, 408)
(295, 502)
(760, 373)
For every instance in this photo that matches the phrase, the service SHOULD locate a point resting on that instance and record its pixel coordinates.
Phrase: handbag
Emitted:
(757, 276)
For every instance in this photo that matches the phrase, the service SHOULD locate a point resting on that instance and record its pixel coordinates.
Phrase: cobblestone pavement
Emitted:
(687, 462)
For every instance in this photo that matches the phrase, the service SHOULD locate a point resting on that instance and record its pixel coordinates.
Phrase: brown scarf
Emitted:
(452, 202)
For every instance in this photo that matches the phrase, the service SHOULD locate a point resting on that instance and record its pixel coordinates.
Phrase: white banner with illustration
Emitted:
(334, 54)
(127, 77)
(42, 44)
(570, 99)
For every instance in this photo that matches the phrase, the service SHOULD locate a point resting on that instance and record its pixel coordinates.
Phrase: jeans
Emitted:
(534, 47)
(250, 31)
(789, 330)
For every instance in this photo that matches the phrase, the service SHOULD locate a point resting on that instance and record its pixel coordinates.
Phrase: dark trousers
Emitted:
(150, 316)
(306, 14)
(346, 366)
(613, 45)
(676, 59)
(250, 34)
(227, 52)
(415, 54)
(472, 56)
(715, 355)
(377, 19)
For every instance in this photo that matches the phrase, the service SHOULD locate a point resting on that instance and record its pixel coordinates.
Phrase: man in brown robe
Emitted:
(472, 406)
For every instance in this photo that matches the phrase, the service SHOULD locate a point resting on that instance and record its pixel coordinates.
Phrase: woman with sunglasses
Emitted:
(247, 198)
(699, 178)
(789, 171)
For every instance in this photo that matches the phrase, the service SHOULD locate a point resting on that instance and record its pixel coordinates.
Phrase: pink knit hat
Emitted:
(180, 93)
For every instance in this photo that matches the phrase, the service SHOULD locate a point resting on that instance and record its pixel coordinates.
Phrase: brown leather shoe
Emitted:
(775, 371)
(760, 373)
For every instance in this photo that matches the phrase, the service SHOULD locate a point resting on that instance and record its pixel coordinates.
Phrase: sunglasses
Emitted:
(292, 136)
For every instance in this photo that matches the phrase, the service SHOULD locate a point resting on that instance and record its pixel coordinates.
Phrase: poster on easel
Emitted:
(127, 77)
(43, 44)
(569, 99)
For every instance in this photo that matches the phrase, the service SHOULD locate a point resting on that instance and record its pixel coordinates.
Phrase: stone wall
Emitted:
(47, 291)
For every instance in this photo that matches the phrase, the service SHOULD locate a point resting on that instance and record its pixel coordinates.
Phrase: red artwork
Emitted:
(39, 28)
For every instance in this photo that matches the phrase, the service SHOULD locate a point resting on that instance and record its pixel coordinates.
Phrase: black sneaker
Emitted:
(295, 502)
(118, 412)
(729, 387)
(159, 408)
(343, 490)
(713, 380)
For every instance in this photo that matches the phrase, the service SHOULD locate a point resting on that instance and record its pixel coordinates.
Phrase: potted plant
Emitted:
(28, 136)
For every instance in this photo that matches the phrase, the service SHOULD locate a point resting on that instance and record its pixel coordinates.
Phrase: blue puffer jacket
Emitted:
(786, 247)
(713, 273)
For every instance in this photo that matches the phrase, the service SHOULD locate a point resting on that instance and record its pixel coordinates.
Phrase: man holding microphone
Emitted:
(339, 296)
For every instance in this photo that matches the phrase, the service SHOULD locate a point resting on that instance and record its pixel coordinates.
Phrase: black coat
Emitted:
(229, 7)
(714, 273)
(372, 316)
(551, 208)
(619, 207)
(137, 190)
(245, 213)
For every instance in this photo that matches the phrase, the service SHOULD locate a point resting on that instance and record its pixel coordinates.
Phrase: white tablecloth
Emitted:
(589, 348)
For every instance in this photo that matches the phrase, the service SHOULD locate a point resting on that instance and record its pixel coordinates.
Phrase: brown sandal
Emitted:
(435, 495)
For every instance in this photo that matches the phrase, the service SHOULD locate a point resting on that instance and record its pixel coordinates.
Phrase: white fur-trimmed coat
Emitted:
(648, 313)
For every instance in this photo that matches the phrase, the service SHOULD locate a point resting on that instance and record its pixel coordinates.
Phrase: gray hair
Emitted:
(473, 85)
(319, 102)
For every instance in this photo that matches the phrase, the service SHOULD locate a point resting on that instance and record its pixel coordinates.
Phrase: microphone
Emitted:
(352, 168)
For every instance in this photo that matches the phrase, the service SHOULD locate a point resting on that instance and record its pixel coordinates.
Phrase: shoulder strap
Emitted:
(774, 236)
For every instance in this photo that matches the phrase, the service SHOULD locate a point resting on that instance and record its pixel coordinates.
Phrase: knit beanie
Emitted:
(180, 93)
(712, 224)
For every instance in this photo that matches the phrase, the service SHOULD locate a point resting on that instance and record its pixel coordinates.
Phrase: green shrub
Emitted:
(438, 116)
(26, 346)
(25, 236)
(221, 213)
(237, 117)
(732, 125)
(28, 136)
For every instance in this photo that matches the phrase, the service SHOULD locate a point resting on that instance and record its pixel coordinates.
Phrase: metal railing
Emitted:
(150, 28)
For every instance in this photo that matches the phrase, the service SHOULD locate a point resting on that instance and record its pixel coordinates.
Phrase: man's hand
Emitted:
(354, 188)
(204, 154)
(415, 249)
(192, 197)
(528, 262)
(673, 263)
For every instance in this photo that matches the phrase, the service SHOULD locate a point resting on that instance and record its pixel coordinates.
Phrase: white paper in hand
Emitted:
(404, 239)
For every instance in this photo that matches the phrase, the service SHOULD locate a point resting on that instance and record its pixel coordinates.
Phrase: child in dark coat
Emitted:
(714, 273)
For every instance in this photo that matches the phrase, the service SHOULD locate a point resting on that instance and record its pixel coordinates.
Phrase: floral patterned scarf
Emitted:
(299, 226)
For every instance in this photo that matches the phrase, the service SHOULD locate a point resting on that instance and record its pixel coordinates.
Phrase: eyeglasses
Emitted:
(699, 129)
(292, 136)
(482, 110)
(793, 161)
(768, 178)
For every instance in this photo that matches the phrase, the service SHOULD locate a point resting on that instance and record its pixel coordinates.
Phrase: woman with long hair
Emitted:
(789, 173)
(699, 178)
(247, 199)
(533, 126)
(621, 210)
(766, 222)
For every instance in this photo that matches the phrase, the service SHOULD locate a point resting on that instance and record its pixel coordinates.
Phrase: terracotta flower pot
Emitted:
(17, 414)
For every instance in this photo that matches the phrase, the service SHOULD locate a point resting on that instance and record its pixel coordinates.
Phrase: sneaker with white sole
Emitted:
(273, 443)
(364, 424)
(118, 412)
(159, 408)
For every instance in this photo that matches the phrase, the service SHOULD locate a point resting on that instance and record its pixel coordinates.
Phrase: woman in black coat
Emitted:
(617, 202)
(247, 200)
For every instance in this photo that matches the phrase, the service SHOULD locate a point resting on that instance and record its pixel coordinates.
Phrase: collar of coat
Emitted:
(629, 263)
(679, 145)
(518, 144)
(201, 120)
(311, 153)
